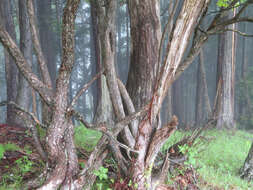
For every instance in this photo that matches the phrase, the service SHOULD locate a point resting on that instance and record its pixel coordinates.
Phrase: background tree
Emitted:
(10, 67)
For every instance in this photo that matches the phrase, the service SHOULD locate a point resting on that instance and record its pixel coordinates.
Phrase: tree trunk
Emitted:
(95, 54)
(145, 39)
(49, 47)
(247, 169)
(178, 101)
(148, 141)
(60, 132)
(11, 71)
(203, 107)
(224, 111)
(24, 91)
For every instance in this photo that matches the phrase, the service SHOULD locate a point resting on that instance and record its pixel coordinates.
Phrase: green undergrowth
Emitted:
(217, 156)
(21, 166)
(86, 138)
(7, 147)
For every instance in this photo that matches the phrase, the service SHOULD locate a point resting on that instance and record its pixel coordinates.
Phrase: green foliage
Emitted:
(102, 174)
(86, 138)
(218, 156)
(222, 158)
(14, 178)
(24, 165)
(191, 153)
(225, 3)
(7, 147)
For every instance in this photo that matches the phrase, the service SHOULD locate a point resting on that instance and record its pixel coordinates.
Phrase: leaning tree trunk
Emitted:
(247, 169)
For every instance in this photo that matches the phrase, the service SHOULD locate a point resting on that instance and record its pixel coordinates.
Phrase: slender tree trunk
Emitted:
(24, 91)
(199, 98)
(95, 53)
(11, 71)
(178, 100)
(203, 107)
(48, 45)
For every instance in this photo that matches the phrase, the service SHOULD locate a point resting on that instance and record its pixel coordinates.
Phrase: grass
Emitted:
(219, 156)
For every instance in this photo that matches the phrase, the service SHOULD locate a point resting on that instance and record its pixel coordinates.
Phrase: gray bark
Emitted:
(48, 46)
(11, 71)
(225, 76)
(24, 91)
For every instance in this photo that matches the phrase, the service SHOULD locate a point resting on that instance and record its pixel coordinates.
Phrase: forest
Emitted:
(126, 94)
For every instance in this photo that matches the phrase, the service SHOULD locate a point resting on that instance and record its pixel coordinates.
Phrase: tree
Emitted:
(202, 99)
(143, 138)
(224, 111)
(10, 67)
(24, 91)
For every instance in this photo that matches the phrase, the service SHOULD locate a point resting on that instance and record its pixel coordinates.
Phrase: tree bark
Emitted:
(224, 111)
(63, 166)
(48, 47)
(95, 54)
(203, 107)
(11, 72)
(182, 31)
(145, 39)
(247, 169)
(24, 90)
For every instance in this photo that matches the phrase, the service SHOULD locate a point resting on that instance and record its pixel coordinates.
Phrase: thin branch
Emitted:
(44, 91)
(118, 127)
(129, 106)
(30, 119)
(125, 121)
(31, 115)
(236, 31)
(41, 59)
(84, 88)
(235, 20)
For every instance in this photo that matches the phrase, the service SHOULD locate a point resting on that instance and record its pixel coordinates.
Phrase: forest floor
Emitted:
(214, 160)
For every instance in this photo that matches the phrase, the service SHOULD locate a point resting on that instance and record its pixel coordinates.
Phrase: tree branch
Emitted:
(84, 88)
(129, 105)
(31, 120)
(159, 138)
(44, 91)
